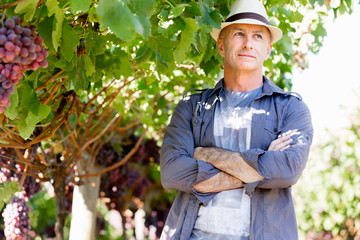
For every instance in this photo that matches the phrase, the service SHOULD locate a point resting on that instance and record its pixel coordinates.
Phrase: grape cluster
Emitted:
(20, 50)
(16, 220)
(29, 187)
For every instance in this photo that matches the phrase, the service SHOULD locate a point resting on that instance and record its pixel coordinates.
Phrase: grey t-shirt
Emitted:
(227, 215)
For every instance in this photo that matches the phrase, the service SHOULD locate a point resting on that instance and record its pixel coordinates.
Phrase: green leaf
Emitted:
(116, 15)
(7, 191)
(285, 45)
(124, 67)
(143, 7)
(27, 8)
(29, 120)
(54, 9)
(29, 98)
(143, 54)
(320, 31)
(321, 2)
(164, 54)
(92, 14)
(69, 42)
(45, 30)
(348, 3)
(33, 119)
(211, 16)
(12, 112)
(79, 5)
(78, 75)
(187, 38)
(89, 66)
(296, 17)
(177, 11)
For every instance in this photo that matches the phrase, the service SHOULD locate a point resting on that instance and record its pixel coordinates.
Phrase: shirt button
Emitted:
(197, 121)
(275, 129)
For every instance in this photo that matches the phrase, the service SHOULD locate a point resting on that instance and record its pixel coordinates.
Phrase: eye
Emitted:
(239, 34)
(258, 36)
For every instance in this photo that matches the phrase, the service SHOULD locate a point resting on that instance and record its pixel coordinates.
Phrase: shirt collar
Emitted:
(269, 87)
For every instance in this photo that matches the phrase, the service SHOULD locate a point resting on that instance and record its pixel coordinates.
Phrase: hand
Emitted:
(197, 153)
(283, 141)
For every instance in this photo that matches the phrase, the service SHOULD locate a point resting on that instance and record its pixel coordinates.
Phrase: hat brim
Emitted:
(275, 32)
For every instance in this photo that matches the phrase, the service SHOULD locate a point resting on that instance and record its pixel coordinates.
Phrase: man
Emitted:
(233, 152)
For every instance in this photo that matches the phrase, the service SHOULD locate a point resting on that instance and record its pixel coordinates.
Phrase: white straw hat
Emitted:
(248, 12)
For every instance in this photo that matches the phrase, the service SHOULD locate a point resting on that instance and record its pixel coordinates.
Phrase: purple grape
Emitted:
(2, 78)
(17, 50)
(32, 56)
(26, 32)
(3, 30)
(16, 19)
(38, 48)
(5, 72)
(44, 64)
(11, 89)
(17, 59)
(18, 29)
(19, 43)
(32, 47)
(6, 84)
(39, 57)
(3, 39)
(26, 41)
(13, 75)
(2, 52)
(9, 46)
(16, 68)
(16, 219)
(9, 31)
(9, 56)
(5, 102)
(45, 53)
(9, 23)
(24, 52)
(34, 65)
(16, 81)
(13, 37)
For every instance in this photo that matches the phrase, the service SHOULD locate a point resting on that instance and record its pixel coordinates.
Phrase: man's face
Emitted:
(244, 47)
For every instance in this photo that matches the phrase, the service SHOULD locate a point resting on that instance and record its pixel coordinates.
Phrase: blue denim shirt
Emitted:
(192, 125)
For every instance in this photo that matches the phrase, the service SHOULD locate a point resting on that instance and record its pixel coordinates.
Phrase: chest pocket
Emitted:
(272, 129)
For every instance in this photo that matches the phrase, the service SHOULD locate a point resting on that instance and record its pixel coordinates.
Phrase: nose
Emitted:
(247, 44)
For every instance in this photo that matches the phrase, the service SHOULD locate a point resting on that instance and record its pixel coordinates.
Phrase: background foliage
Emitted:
(118, 67)
(327, 199)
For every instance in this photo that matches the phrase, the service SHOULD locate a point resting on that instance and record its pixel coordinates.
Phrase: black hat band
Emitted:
(248, 15)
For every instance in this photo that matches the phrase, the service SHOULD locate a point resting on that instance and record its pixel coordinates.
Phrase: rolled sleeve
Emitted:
(178, 170)
(205, 171)
(282, 169)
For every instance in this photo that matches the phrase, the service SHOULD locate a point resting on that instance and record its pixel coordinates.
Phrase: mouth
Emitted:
(246, 55)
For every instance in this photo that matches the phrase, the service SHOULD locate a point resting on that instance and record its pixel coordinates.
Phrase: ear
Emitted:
(268, 50)
(220, 45)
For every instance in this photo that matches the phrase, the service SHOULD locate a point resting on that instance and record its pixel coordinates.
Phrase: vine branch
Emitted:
(9, 5)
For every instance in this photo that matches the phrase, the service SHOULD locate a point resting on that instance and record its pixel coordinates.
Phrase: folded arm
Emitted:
(219, 182)
(279, 166)
(233, 164)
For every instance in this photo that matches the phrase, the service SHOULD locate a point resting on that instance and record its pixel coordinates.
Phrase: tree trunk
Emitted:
(59, 188)
(83, 220)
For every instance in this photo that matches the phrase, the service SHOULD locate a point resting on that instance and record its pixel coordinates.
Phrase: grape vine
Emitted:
(20, 50)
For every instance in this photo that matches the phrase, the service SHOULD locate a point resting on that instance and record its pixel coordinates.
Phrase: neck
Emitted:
(242, 81)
